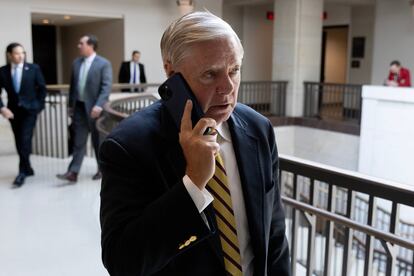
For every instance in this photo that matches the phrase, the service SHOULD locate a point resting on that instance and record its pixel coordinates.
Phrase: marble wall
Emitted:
(326, 147)
(387, 133)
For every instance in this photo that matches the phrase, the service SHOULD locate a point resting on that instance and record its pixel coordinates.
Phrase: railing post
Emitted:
(369, 246)
(330, 231)
(389, 248)
(295, 225)
(312, 231)
(349, 235)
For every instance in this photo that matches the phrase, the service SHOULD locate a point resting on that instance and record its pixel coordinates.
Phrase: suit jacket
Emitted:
(32, 92)
(403, 78)
(125, 73)
(98, 84)
(147, 213)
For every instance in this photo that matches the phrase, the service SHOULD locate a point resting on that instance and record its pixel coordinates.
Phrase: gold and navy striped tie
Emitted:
(218, 186)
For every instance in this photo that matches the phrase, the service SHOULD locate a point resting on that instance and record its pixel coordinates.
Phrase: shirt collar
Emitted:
(223, 131)
(20, 65)
(90, 58)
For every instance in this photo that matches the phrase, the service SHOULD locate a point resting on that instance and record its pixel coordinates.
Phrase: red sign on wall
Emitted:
(270, 15)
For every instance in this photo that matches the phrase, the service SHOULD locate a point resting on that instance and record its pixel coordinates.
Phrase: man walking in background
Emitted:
(26, 91)
(90, 86)
(132, 72)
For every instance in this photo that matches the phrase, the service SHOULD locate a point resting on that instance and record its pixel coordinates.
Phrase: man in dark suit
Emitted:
(132, 72)
(26, 91)
(177, 202)
(90, 86)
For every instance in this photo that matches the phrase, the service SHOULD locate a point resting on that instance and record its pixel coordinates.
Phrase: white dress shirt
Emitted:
(87, 62)
(137, 75)
(19, 73)
(202, 198)
(86, 65)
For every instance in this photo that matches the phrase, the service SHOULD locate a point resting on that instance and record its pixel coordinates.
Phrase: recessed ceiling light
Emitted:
(67, 17)
(45, 21)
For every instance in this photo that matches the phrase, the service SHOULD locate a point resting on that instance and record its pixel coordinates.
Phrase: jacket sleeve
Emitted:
(278, 261)
(72, 87)
(40, 87)
(408, 78)
(106, 84)
(121, 73)
(143, 77)
(1, 91)
(143, 222)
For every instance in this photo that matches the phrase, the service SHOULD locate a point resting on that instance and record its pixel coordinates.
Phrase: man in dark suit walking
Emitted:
(132, 72)
(177, 202)
(26, 91)
(90, 86)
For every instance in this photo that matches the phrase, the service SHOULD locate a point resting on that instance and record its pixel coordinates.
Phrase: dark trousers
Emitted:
(23, 123)
(83, 124)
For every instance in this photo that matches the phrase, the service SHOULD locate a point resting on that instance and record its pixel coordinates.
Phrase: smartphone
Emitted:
(175, 92)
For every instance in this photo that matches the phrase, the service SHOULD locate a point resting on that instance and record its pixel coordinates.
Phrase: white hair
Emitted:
(192, 28)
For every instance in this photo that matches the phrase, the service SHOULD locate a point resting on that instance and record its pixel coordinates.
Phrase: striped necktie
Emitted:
(218, 186)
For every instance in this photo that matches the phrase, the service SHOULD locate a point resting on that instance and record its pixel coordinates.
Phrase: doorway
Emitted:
(55, 38)
(334, 61)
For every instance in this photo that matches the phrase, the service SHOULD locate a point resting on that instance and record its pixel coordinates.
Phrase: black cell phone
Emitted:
(175, 92)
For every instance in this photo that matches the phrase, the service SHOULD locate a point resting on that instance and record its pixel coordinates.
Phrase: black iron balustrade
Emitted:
(266, 97)
(336, 226)
(333, 101)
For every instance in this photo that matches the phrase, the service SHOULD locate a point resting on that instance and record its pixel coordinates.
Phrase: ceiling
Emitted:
(63, 19)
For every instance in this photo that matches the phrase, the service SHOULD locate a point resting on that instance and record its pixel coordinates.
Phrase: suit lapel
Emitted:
(245, 146)
(25, 71)
(93, 65)
(9, 78)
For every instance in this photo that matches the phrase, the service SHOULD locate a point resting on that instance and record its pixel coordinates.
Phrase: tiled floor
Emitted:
(48, 227)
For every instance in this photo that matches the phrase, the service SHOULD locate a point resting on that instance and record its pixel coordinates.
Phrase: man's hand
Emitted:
(7, 113)
(70, 112)
(199, 150)
(392, 83)
(96, 112)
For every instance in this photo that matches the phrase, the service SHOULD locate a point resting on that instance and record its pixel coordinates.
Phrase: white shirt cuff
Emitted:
(201, 198)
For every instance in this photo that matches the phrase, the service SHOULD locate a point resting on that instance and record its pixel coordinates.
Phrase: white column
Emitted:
(297, 42)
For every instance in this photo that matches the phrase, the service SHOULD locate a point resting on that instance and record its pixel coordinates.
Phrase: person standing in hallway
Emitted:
(398, 76)
(26, 93)
(177, 202)
(90, 86)
(132, 72)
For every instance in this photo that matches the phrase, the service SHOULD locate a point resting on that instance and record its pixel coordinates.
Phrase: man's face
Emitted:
(85, 49)
(212, 69)
(136, 57)
(17, 55)
(395, 69)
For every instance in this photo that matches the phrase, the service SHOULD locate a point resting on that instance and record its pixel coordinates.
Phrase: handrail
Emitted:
(392, 238)
(378, 187)
(65, 87)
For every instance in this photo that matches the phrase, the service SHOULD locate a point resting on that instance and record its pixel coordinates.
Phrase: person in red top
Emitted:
(398, 76)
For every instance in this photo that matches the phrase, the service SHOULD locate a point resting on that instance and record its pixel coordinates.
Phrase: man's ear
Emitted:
(168, 68)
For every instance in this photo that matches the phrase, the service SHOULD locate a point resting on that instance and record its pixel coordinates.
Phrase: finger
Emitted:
(203, 124)
(209, 138)
(214, 147)
(186, 124)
